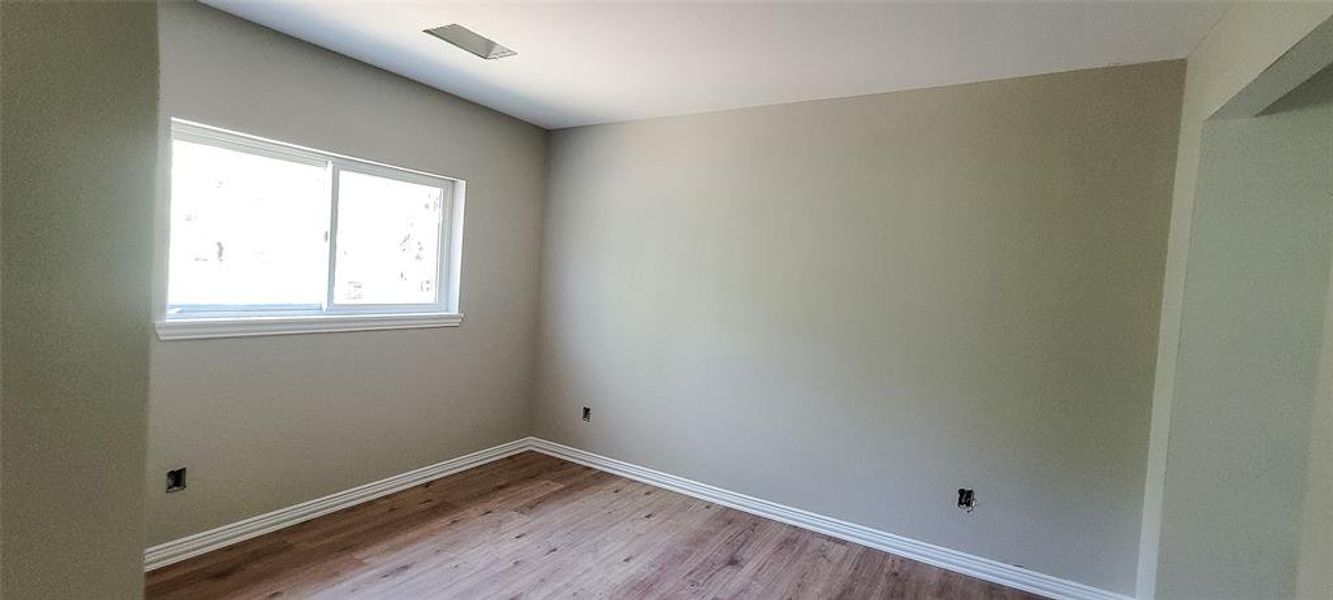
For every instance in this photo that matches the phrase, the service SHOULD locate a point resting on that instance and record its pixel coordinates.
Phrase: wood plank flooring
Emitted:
(535, 527)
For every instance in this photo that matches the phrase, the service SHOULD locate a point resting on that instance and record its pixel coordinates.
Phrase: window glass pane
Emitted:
(246, 229)
(388, 241)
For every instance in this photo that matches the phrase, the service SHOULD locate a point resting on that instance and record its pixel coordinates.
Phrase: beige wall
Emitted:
(857, 306)
(1248, 39)
(80, 116)
(263, 423)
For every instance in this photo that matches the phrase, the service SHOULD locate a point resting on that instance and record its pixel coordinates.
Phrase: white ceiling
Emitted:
(579, 64)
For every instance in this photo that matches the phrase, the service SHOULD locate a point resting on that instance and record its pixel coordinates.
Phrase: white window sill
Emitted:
(217, 327)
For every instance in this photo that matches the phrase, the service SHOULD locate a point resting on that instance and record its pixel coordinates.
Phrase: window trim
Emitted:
(224, 327)
(173, 324)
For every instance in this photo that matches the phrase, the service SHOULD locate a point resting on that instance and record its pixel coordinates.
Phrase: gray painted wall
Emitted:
(79, 134)
(263, 423)
(1314, 578)
(2, 303)
(1250, 345)
(857, 306)
(1249, 38)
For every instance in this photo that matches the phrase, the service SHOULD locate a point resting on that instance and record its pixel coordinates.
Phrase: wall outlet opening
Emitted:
(175, 480)
(587, 414)
(967, 499)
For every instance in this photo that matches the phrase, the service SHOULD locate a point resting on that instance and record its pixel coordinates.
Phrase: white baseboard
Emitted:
(945, 558)
(213, 539)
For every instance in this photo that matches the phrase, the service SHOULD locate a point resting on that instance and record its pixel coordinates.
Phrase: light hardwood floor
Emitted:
(532, 526)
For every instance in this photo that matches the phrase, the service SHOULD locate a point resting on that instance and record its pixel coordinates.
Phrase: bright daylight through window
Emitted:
(270, 238)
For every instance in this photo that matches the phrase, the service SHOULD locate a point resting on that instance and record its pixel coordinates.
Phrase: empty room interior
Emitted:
(636, 299)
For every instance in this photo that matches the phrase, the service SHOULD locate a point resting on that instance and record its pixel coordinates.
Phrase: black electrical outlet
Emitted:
(967, 499)
(587, 414)
(175, 480)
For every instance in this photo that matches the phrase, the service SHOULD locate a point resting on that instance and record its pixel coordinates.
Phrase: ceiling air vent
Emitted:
(471, 41)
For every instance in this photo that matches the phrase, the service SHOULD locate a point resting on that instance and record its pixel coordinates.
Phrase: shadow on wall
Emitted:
(1318, 90)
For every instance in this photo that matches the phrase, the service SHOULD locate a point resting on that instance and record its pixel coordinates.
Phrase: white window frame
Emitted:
(202, 321)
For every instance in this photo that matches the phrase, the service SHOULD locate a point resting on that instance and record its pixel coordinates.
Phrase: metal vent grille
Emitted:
(471, 41)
